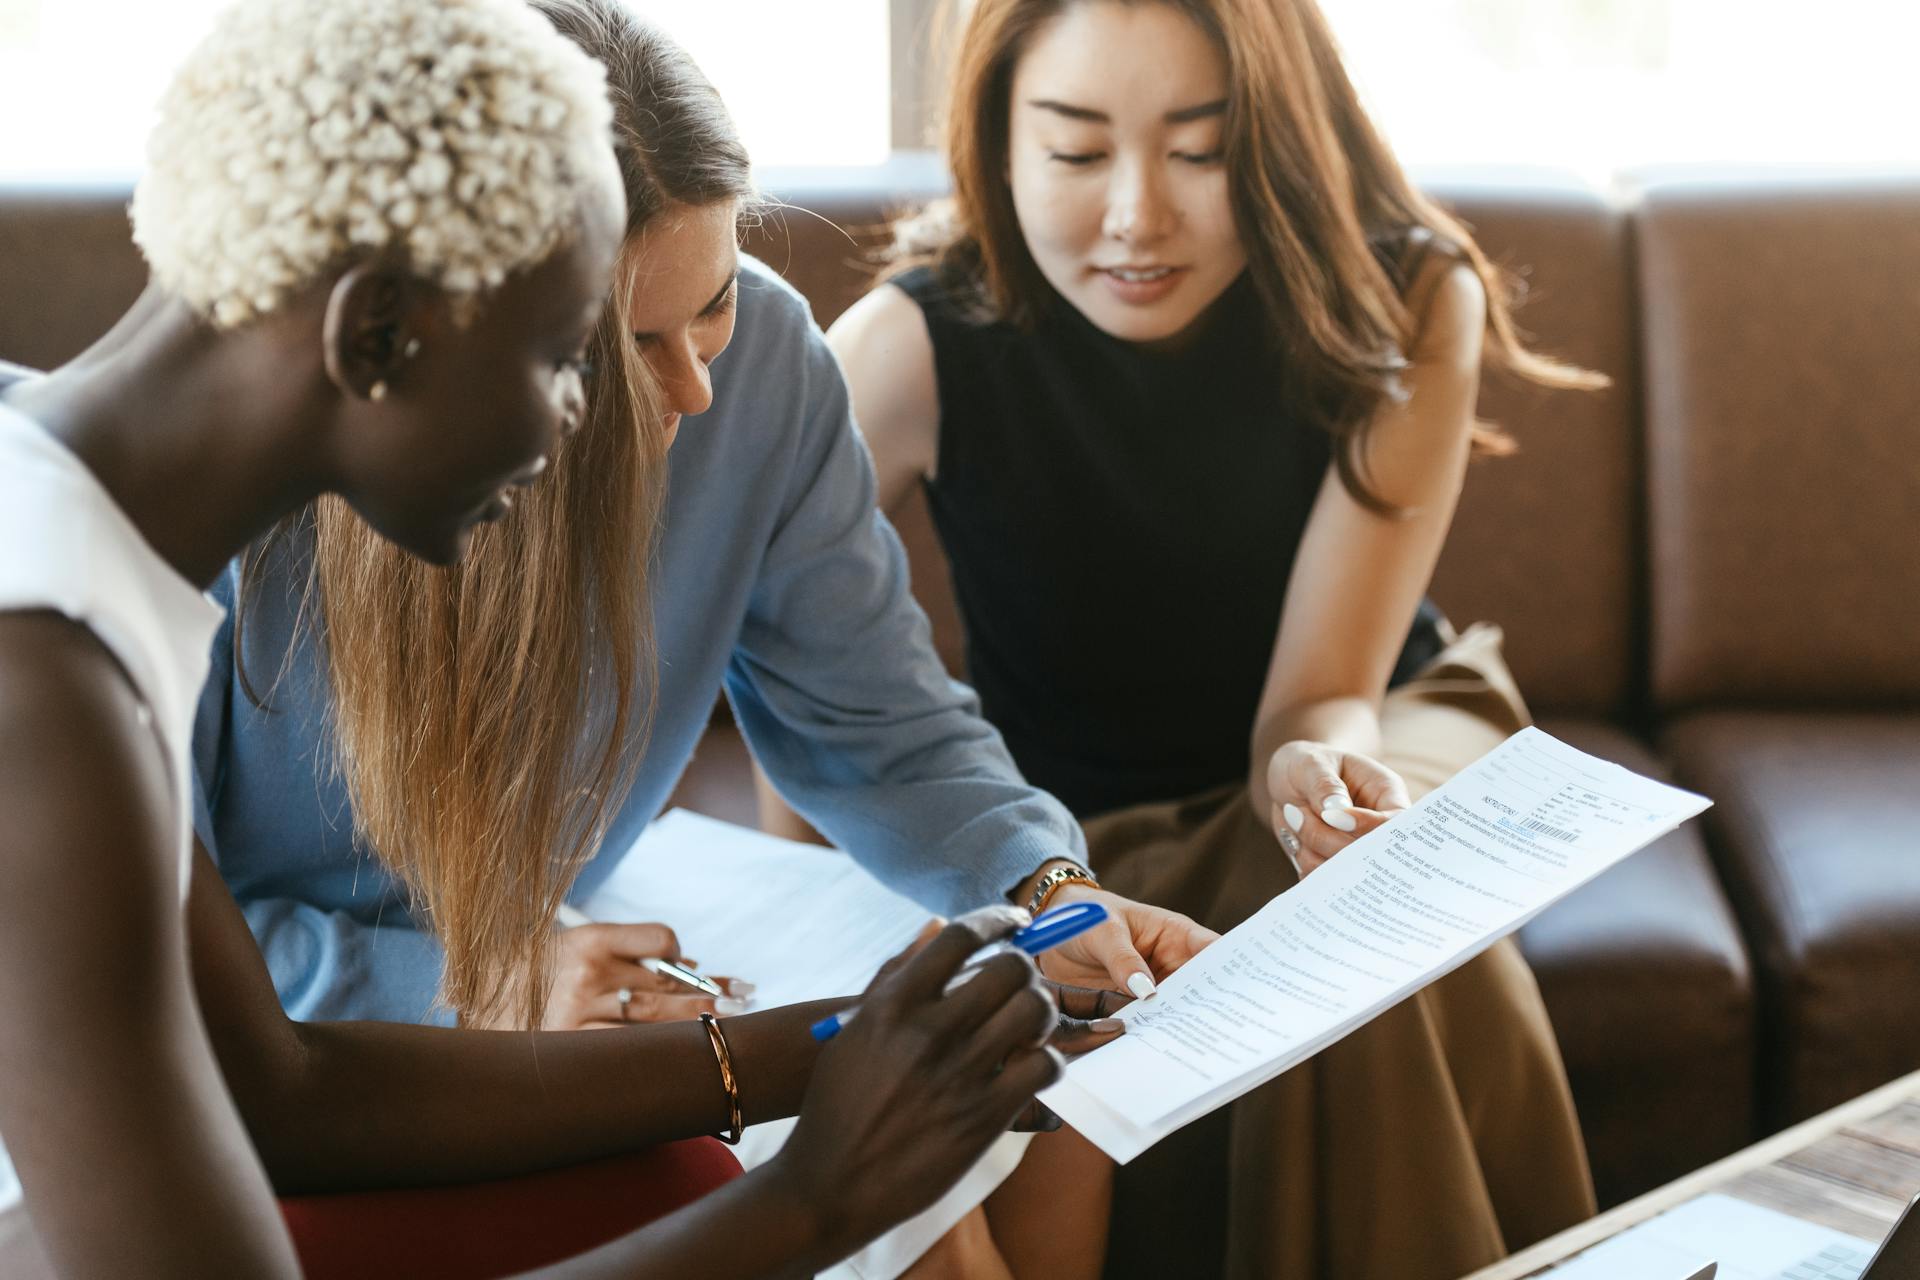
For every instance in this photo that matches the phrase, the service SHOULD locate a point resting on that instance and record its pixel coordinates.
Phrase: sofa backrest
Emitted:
(1547, 542)
(1782, 367)
(68, 268)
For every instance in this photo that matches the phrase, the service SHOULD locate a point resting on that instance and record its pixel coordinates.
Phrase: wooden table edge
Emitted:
(1765, 1152)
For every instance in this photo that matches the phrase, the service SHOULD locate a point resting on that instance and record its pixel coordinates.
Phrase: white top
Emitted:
(65, 546)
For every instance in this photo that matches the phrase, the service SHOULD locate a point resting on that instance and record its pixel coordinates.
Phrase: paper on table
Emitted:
(800, 922)
(1403, 905)
(1749, 1242)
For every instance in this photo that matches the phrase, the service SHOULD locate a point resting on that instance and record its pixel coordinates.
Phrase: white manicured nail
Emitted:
(1293, 816)
(1141, 985)
(1339, 819)
(727, 1006)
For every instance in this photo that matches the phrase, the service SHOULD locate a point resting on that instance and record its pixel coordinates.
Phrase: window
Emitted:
(1604, 85)
(807, 81)
(78, 81)
(1595, 85)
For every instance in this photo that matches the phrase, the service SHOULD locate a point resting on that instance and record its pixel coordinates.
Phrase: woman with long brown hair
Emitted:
(1187, 368)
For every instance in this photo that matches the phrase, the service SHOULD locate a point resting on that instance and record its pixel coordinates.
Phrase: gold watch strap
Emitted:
(1065, 873)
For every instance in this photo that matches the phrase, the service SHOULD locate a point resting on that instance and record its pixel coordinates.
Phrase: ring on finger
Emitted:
(1290, 845)
(625, 996)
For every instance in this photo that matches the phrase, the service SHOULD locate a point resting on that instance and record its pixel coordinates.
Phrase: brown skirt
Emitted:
(1432, 1141)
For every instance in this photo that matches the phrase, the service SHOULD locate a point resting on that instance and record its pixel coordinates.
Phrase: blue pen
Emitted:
(1048, 930)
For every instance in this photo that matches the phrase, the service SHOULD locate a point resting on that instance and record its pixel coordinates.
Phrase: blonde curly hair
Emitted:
(461, 136)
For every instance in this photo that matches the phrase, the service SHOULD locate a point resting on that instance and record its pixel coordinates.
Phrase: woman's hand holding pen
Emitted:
(914, 1091)
(595, 963)
(1324, 798)
(1087, 1019)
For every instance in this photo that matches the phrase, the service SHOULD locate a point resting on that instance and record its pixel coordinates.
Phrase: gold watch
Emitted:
(1064, 873)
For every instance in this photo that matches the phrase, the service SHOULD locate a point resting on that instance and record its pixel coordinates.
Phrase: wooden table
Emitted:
(1852, 1169)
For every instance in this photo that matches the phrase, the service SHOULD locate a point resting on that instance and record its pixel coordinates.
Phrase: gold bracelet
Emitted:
(1066, 873)
(720, 1055)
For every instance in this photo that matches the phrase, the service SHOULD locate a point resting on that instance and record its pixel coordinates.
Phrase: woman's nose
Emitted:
(686, 380)
(573, 407)
(1138, 211)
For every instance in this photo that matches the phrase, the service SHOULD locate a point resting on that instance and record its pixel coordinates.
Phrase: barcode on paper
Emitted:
(1547, 829)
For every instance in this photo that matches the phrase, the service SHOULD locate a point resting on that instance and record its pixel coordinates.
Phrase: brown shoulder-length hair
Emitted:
(1332, 227)
(488, 719)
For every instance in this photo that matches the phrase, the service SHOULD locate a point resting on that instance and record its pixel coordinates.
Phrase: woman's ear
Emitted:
(371, 330)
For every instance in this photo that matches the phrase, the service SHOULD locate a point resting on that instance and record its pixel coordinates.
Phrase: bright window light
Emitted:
(1591, 85)
(1604, 85)
(806, 80)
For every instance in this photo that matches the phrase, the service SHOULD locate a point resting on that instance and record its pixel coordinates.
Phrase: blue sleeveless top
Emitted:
(1121, 525)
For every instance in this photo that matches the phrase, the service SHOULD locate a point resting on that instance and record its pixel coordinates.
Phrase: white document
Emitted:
(1405, 904)
(1748, 1241)
(800, 922)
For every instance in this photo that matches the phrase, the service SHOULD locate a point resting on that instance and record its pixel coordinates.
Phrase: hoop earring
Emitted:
(378, 391)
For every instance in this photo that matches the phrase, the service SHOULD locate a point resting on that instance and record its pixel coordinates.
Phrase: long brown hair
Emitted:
(1324, 210)
(488, 719)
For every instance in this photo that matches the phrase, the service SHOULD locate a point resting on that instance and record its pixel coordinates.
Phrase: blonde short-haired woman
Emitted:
(382, 233)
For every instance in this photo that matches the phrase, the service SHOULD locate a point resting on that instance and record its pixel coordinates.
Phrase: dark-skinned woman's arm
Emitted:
(359, 1104)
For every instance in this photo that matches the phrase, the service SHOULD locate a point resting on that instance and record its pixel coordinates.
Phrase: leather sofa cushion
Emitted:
(1647, 982)
(1816, 831)
(1783, 401)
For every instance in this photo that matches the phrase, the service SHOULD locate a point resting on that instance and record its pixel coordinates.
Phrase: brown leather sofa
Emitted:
(1710, 571)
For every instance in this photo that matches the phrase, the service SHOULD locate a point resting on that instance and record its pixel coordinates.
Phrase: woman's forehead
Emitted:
(1120, 61)
(677, 263)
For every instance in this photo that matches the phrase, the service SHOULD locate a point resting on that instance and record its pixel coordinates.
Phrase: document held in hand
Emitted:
(1407, 903)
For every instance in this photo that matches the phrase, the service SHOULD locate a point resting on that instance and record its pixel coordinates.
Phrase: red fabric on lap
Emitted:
(488, 1229)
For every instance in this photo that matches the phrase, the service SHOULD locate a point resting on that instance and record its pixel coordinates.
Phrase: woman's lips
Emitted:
(1141, 286)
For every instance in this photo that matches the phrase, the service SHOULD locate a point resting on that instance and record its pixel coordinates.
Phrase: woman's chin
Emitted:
(443, 550)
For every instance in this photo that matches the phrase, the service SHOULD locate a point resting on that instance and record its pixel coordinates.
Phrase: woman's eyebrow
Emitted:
(1203, 111)
(713, 303)
(1182, 115)
(1069, 111)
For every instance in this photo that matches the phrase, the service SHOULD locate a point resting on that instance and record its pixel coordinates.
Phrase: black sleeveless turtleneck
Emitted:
(1121, 525)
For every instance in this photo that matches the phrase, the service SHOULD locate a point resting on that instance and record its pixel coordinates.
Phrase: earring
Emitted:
(412, 348)
(378, 391)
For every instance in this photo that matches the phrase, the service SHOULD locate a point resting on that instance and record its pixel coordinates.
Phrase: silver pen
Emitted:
(680, 973)
(571, 917)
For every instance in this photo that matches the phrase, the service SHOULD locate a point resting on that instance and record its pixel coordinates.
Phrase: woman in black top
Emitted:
(1188, 370)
